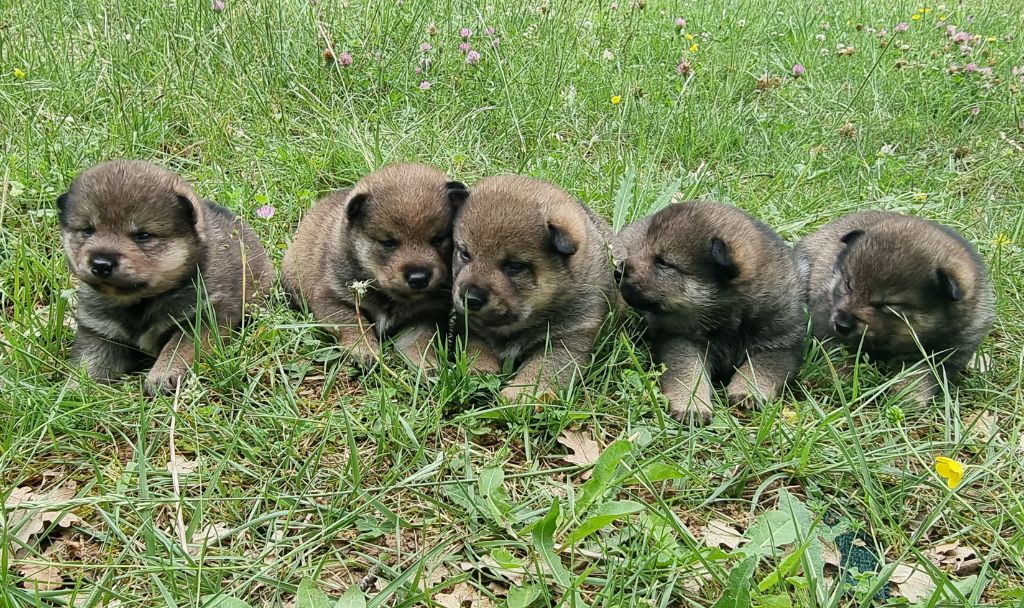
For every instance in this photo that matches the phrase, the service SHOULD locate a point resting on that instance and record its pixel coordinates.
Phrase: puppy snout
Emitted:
(102, 265)
(845, 323)
(474, 297)
(417, 277)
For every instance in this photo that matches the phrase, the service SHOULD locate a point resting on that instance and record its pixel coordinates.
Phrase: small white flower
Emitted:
(607, 55)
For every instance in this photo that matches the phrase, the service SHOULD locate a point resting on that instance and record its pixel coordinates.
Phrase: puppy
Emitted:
(145, 249)
(899, 288)
(391, 232)
(533, 277)
(723, 300)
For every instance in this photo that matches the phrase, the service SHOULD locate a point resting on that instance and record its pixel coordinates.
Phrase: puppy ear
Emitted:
(725, 267)
(355, 207)
(561, 241)
(949, 285)
(457, 193)
(62, 206)
(851, 236)
(187, 208)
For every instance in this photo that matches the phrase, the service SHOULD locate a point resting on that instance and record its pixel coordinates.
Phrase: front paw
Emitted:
(690, 411)
(362, 355)
(163, 381)
(484, 363)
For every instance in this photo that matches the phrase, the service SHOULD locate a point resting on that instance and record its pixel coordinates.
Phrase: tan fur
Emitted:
(543, 306)
(885, 288)
(409, 203)
(132, 315)
(733, 317)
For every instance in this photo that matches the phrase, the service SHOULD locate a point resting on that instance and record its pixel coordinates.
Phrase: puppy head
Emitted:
(682, 263)
(399, 221)
(892, 278)
(516, 239)
(131, 230)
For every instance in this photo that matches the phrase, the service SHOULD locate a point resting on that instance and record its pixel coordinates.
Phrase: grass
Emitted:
(431, 488)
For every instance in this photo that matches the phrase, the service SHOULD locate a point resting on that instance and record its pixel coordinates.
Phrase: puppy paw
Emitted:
(163, 381)
(515, 394)
(692, 412)
(743, 399)
(362, 356)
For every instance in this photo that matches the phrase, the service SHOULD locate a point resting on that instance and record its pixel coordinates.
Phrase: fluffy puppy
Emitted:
(723, 300)
(900, 288)
(145, 249)
(391, 231)
(533, 276)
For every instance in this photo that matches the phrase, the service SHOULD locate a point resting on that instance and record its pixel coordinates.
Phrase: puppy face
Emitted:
(513, 251)
(677, 267)
(130, 230)
(886, 285)
(400, 229)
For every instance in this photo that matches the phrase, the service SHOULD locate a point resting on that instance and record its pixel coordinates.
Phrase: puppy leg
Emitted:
(417, 345)
(762, 376)
(174, 361)
(544, 373)
(103, 359)
(685, 382)
(482, 359)
(355, 334)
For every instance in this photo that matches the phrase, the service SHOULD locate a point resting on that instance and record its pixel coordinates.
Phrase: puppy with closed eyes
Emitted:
(533, 278)
(390, 236)
(723, 299)
(899, 288)
(145, 249)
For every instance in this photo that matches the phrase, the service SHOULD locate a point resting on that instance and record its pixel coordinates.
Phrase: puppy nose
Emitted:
(620, 271)
(845, 323)
(475, 297)
(417, 278)
(103, 266)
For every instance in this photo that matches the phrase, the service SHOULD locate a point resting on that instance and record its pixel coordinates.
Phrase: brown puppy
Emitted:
(533, 276)
(144, 248)
(392, 232)
(723, 299)
(899, 288)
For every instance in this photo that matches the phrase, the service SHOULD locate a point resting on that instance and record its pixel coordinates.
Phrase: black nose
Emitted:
(475, 297)
(417, 278)
(103, 266)
(845, 323)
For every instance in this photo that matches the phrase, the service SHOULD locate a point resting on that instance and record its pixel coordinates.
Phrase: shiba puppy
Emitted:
(533, 278)
(149, 256)
(900, 288)
(390, 235)
(723, 300)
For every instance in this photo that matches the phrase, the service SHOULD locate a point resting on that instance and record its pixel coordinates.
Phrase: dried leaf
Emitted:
(41, 576)
(463, 595)
(210, 535)
(912, 582)
(830, 554)
(954, 558)
(183, 466)
(584, 449)
(721, 534)
(26, 522)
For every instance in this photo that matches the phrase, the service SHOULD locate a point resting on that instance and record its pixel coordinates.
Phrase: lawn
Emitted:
(278, 478)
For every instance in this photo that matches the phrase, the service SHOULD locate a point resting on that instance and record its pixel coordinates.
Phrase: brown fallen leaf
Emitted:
(183, 466)
(209, 536)
(954, 558)
(983, 427)
(721, 534)
(912, 582)
(584, 450)
(25, 522)
(463, 595)
(44, 576)
(830, 554)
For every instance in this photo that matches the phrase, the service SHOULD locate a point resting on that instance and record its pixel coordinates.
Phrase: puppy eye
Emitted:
(87, 232)
(439, 239)
(141, 237)
(848, 286)
(891, 308)
(512, 268)
(662, 263)
(464, 255)
(388, 243)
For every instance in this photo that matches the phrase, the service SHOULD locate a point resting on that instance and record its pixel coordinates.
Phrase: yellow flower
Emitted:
(990, 39)
(942, 17)
(19, 74)
(924, 10)
(916, 16)
(1002, 240)
(693, 48)
(950, 470)
(616, 99)
(920, 196)
(689, 36)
